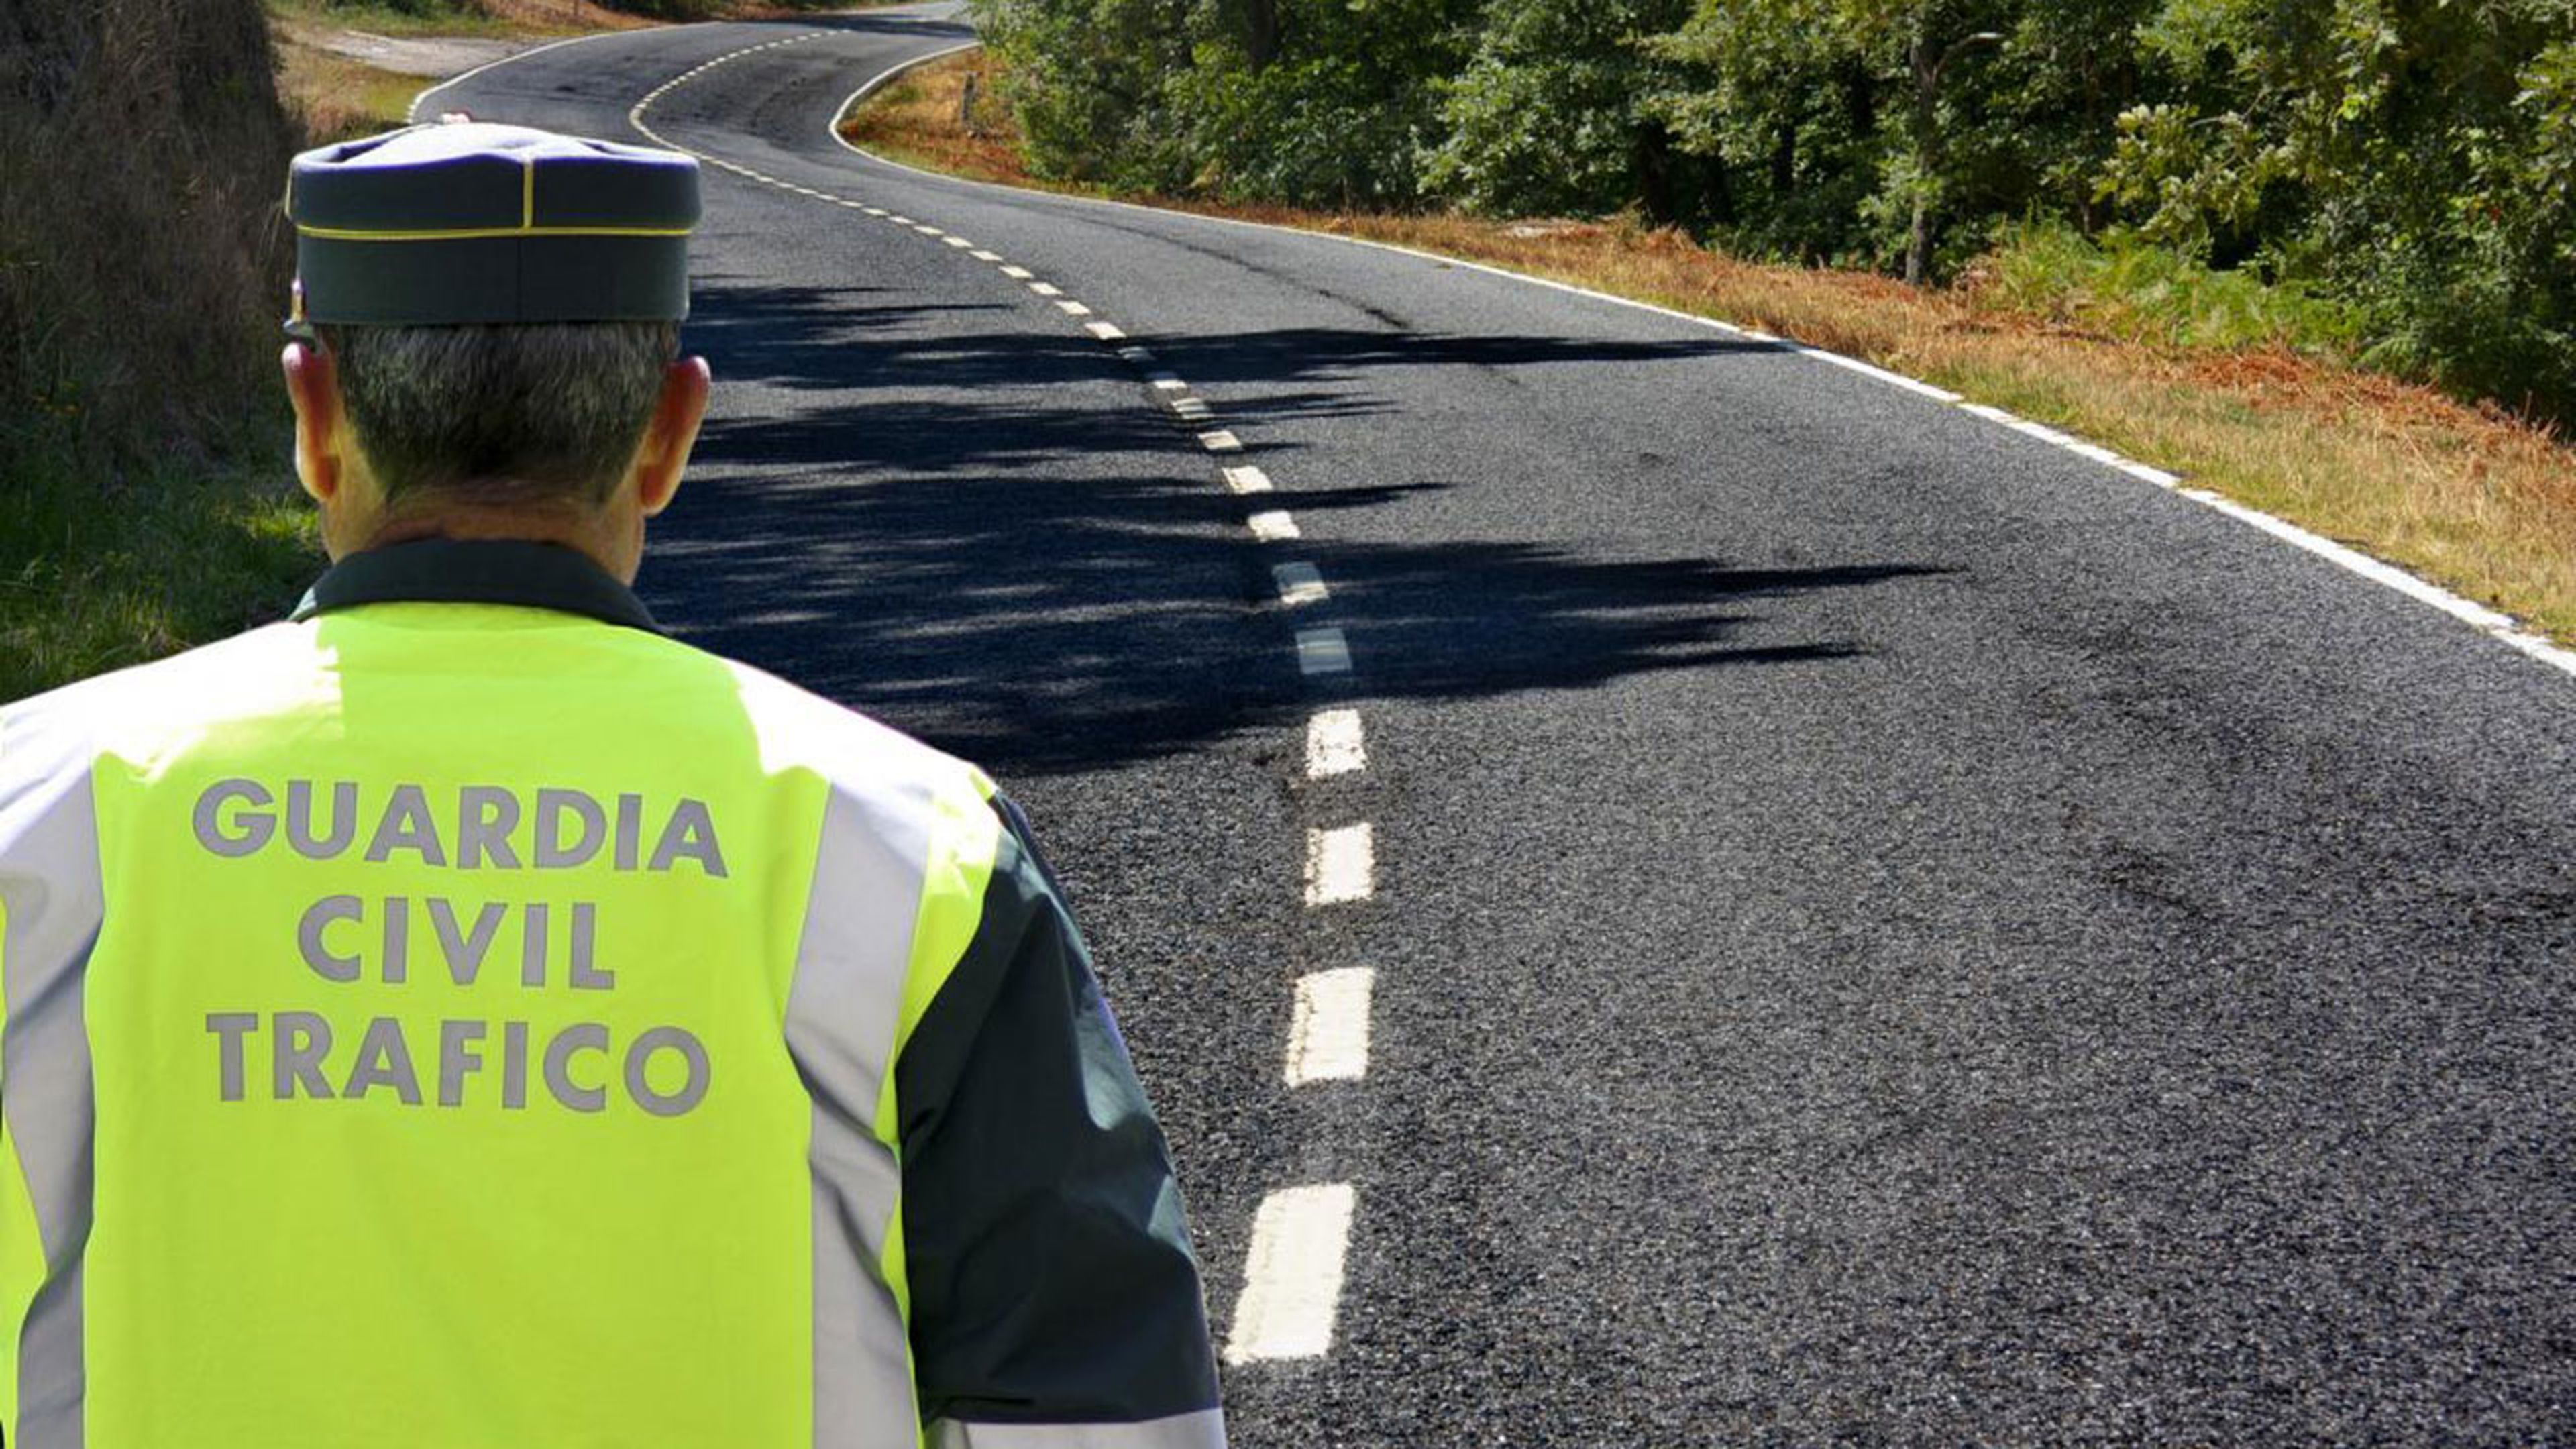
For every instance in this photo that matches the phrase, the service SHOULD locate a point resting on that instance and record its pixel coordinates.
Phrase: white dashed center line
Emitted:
(1335, 744)
(1292, 1284)
(1341, 865)
(1299, 584)
(1328, 1027)
(1323, 651)
(1300, 1235)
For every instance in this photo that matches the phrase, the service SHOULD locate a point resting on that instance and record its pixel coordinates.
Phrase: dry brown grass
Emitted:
(335, 98)
(560, 16)
(917, 119)
(2469, 497)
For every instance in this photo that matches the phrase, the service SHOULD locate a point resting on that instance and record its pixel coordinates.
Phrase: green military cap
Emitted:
(471, 222)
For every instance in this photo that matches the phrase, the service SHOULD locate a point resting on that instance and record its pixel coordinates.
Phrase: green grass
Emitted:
(2137, 292)
(395, 17)
(98, 572)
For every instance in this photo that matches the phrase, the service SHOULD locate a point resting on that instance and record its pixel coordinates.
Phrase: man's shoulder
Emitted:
(171, 695)
(801, 729)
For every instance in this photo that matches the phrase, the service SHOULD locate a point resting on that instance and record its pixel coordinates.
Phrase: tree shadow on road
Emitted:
(992, 539)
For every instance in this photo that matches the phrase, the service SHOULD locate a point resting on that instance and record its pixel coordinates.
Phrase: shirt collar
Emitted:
(477, 571)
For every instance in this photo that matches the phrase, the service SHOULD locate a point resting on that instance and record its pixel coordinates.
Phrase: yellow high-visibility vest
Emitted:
(389, 996)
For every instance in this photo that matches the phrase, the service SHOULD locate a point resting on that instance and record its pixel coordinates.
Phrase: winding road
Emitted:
(1668, 892)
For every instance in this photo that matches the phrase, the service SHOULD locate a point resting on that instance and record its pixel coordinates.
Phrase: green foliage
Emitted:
(1553, 114)
(2408, 165)
(1313, 102)
(2126, 285)
(99, 570)
(393, 17)
(142, 272)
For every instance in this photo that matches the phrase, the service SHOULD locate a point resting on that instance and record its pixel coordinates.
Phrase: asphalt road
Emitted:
(1884, 931)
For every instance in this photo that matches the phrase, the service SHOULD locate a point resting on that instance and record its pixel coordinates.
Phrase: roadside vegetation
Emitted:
(2411, 166)
(142, 269)
(147, 499)
(2245, 386)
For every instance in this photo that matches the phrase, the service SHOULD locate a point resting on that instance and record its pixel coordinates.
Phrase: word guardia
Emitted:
(344, 938)
(480, 827)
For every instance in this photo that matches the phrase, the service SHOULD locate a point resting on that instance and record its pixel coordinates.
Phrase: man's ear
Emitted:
(671, 434)
(313, 387)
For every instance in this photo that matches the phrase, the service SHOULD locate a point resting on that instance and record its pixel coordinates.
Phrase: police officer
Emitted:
(464, 1017)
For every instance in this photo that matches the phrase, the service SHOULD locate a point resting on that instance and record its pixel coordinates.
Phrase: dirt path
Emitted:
(433, 57)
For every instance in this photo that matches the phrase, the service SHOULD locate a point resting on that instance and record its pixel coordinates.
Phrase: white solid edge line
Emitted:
(1336, 744)
(1292, 1276)
(1328, 1026)
(1341, 865)
(1871, 369)
(411, 113)
(2510, 633)
(832, 123)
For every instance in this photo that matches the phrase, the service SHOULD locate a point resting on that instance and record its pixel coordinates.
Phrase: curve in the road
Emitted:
(2502, 627)
(1874, 936)
(1293, 1270)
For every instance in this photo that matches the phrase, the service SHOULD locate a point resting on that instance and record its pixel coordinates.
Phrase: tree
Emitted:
(1929, 58)
(1774, 59)
(1554, 112)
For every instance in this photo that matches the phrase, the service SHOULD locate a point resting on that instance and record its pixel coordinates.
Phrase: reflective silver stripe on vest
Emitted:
(49, 885)
(1202, 1430)
(841, 1009)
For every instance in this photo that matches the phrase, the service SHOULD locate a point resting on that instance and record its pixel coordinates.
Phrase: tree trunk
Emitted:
(1261, 31)
(1651, 156)
(1927, 67)
(1927, 155)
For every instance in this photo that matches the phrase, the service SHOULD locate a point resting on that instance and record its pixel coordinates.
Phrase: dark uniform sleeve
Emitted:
(1049, 1262)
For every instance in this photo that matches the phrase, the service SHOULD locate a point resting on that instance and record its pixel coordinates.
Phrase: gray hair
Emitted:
(520, 413)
